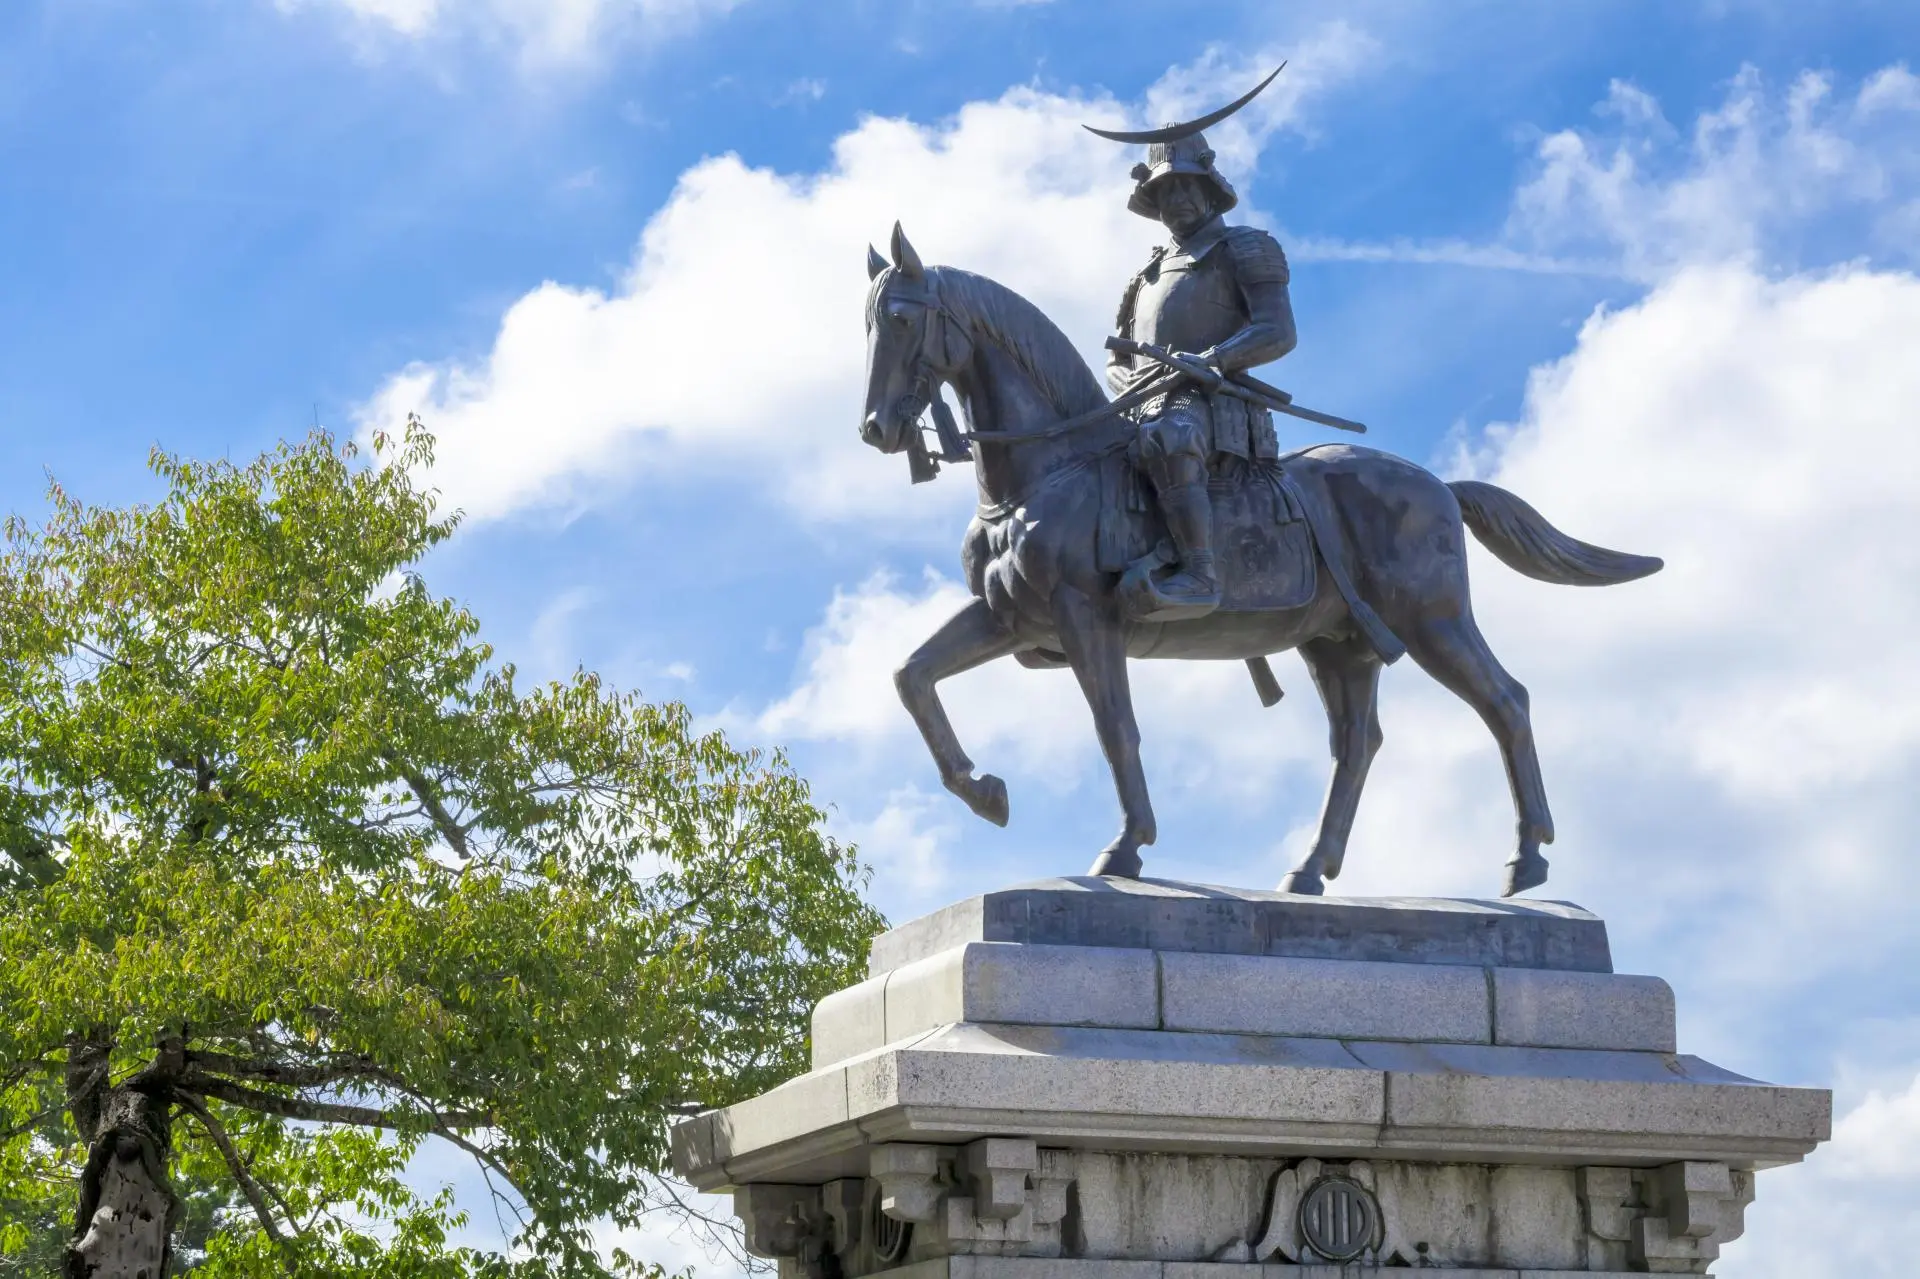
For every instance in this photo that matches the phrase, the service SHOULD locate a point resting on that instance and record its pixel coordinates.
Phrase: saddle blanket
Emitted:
(1261, 543)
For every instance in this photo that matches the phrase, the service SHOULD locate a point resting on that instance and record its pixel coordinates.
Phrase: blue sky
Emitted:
(1649, 264)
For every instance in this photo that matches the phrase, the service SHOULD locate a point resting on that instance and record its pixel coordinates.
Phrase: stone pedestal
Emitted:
(1098, 1079)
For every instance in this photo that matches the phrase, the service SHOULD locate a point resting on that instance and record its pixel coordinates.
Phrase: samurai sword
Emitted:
(1139, 394)
(1242, 386)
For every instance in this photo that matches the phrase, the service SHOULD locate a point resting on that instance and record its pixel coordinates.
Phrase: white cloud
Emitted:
(551, 638)
(705, 1244)
(1639, 198)
(907, 843)
(542, 30)
(1028, 726)
(1737, 186)
(805, 89)
(1331, 57)
(734, 341)
(1868, 1177)
(1756, 434)
(846, 691)
(1890, 89)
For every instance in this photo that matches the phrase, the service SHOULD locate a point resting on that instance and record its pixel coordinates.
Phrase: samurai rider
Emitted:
(1214, 294)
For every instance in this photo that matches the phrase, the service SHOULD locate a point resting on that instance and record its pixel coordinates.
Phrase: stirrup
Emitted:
(1145, 601)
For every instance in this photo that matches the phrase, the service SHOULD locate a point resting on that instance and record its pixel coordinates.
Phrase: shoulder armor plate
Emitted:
(1257, 256)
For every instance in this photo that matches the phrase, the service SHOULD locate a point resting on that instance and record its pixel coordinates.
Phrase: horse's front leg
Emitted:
(970, 637)
(1096, 648)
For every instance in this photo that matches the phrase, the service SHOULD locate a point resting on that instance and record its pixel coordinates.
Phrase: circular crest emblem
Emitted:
(1339, 1218)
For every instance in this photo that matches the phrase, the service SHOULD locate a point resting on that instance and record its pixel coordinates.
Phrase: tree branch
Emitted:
(443, 821)
(485, 1157)
(248, 1186)
(324, 1112)
(32, 1122)
(290, 1074)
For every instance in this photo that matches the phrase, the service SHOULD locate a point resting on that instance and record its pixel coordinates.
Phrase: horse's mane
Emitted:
(1024, 332)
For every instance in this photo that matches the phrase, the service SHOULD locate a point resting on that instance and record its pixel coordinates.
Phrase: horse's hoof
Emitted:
(1526, 870)
(1118, 863)
(1299, 881)
(987, 797)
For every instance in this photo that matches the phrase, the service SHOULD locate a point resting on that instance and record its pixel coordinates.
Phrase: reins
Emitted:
(924, 463)
(926, 394)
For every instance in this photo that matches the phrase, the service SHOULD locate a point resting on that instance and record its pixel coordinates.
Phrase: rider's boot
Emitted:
(1192, 589)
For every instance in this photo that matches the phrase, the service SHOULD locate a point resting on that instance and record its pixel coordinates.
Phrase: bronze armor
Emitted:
(1193, 297)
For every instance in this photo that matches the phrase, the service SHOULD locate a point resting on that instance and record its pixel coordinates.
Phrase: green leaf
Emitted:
(275, 820)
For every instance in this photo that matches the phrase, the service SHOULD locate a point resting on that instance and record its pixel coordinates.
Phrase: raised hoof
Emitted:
(1526, 870)
(1118, 863)
(1298, 881)
(986, 795)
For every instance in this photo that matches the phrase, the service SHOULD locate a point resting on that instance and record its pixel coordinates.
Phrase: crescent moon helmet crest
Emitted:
(1175, 132)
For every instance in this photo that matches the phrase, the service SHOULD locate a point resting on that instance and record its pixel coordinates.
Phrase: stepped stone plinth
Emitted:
(1108, 1079)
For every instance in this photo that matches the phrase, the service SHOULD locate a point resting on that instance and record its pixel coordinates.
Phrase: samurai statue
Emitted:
(1214, 294)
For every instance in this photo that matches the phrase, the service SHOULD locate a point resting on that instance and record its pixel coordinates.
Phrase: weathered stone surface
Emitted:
(795, 1111)
(1186, 1092)
(1341, 999)
(1616, 1106)
(1477, 1093)
(1210, 1213)
(1024, 985)
(1009, 983)
(1112, 1082)
(1154, 1206)
(1201, 919)
(851, 1021)
(1541, 1009)
(990, 982)
(1078, 1268)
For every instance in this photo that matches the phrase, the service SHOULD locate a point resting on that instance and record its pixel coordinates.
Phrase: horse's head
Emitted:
(913, 344)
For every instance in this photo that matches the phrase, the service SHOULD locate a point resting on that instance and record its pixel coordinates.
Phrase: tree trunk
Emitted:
(124, 1227)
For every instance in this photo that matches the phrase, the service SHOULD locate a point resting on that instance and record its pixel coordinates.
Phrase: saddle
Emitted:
(1262, 542)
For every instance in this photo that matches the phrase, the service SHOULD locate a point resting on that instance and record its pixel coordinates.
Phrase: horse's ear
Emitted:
(875, 263)
(904, 257)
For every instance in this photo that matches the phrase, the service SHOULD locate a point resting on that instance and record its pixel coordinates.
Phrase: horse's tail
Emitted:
(1521, 538)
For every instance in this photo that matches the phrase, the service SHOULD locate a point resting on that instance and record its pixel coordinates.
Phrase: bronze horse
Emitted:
(1390, 549)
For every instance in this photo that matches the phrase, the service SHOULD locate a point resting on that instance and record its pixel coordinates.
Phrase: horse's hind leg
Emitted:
(1453, 651)
(1097, 651)
(970, 637)
(1347, 673)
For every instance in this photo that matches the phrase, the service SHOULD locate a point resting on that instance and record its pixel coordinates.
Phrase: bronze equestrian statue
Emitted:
(1228, 549)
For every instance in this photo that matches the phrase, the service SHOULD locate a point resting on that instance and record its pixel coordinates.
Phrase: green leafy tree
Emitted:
(296, 877)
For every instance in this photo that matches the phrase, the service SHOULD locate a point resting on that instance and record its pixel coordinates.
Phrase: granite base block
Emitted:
(1158, 914)
(1027, 1268)
(1091, 1079)
(1010, 984)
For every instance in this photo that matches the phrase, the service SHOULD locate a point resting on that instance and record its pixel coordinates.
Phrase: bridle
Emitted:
(924, 391)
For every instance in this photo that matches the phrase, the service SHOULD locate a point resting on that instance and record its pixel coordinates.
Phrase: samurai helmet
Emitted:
(1181, 148)
(1183, 155)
